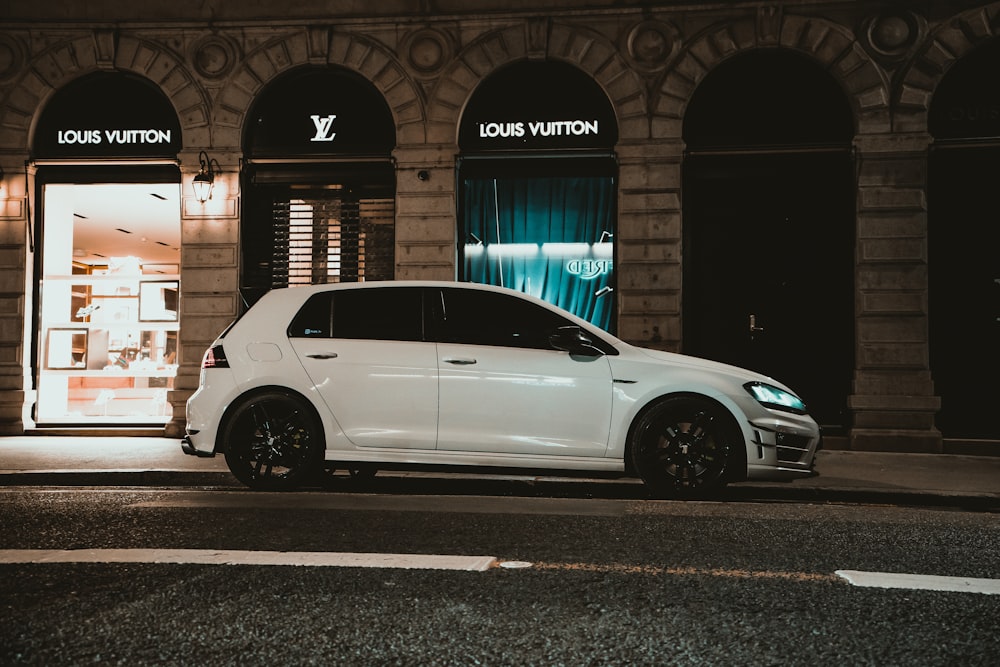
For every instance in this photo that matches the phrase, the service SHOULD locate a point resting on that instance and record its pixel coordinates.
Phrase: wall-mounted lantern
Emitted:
(204, 180)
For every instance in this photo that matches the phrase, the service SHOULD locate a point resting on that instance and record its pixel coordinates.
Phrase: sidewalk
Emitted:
(843, 475)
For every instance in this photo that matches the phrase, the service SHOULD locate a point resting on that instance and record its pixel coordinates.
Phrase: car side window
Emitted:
(476, 317)
(381, 313)
(314, 319)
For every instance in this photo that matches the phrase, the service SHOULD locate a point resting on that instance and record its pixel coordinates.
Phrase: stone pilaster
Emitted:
(209, 275)
(13, 307)
(425, 212)
(893, 401)
(648, 243)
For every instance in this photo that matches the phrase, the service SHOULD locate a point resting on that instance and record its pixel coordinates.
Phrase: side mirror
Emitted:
(573, 340)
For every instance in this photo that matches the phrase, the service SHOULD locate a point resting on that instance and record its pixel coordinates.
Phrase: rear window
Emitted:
(381, 313)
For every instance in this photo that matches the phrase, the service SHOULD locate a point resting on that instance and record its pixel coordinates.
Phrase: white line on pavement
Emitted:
(921, 582)
(424, 562)
(237, 557)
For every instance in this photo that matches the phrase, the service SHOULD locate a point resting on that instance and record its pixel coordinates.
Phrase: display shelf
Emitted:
(159, 373)
(111, 343)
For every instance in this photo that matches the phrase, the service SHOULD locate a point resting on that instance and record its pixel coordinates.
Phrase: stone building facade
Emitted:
(671, 74)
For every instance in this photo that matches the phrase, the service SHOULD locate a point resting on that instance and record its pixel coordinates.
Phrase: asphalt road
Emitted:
(574, 581)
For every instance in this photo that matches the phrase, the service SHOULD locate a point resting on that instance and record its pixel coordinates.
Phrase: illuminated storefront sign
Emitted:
(86, 120)
(319, 112)
(538, 106)
(550, 128)
(113, 136)
(324, 126)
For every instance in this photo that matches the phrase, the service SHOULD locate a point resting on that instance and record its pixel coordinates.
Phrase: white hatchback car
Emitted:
(374, 375)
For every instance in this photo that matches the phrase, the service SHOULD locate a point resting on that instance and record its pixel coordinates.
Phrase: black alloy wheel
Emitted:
(273, 441)
(685, 446)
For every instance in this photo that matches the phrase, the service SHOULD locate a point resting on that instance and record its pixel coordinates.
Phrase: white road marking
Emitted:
(451, 562)
(239, 557)
(921, 582)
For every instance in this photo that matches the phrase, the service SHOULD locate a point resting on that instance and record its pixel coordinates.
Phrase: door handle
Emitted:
(753, 325)
(460, 362)
(323, 355)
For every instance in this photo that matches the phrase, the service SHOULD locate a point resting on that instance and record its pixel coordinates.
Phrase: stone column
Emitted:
(648, 243)
(425, 212)
(893, 401)
(209, 275)
(14, 333)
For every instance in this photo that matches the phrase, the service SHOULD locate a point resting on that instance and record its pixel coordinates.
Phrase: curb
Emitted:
(509, 486)
(116, 478)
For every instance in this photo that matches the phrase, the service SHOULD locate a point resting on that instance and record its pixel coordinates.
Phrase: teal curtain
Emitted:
(552, 237)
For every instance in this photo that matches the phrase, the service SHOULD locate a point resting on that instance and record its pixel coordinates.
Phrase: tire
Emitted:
(273, 441)
(686, 446)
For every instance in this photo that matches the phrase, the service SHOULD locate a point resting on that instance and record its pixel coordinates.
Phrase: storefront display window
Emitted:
(548, 237)
(109, 303)
(538, 187)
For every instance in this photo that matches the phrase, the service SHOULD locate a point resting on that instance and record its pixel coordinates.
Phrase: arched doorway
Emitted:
(319, 183)
(537, 187)
(108, 222)
(964, 245)
(768, 206)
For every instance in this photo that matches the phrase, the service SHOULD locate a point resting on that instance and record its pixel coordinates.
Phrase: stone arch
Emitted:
(70, 59)
(586, 49)
(944, 46)
(833, 46)
(322, 46)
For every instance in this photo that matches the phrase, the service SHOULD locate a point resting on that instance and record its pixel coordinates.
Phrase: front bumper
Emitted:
(785, 450)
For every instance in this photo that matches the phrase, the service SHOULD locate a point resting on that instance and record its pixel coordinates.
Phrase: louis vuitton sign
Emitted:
(86, 120)
(320, 111)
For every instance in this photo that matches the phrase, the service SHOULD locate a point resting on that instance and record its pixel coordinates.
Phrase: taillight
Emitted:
(215, 357)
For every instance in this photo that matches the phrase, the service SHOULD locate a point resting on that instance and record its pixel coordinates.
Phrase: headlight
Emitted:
(773, 397)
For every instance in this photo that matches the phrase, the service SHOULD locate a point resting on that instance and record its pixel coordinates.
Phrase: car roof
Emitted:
(368, 284)
(305, 291)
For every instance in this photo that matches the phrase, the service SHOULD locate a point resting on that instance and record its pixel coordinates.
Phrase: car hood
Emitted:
(675, 359)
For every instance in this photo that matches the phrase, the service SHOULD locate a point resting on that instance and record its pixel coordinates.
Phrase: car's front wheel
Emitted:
(685, 445)
(273, 441)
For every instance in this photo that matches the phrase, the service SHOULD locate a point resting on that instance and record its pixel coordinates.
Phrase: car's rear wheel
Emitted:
(683, 446)
(273, 441)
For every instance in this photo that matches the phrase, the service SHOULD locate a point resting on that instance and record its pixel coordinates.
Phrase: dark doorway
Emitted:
(316, 224)
(319, 183)
(769, 273)
(769, 227)
(964, 241)
(964, 245)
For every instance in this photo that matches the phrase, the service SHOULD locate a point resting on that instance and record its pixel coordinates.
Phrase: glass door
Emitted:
(108, 307)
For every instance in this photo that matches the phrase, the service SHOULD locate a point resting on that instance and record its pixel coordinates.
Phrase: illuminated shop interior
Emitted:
(108, 315)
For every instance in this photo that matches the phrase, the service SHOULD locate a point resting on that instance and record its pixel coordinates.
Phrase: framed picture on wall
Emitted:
(66, 349)
(158, 301)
